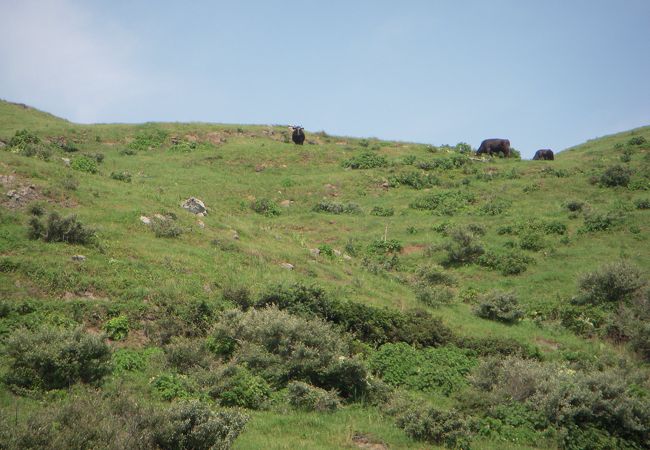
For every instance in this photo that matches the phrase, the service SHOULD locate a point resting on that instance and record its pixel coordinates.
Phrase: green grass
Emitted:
(131, 272)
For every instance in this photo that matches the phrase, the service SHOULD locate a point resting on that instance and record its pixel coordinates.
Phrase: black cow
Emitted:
(544, 154)
(298, 135)
(491, 146)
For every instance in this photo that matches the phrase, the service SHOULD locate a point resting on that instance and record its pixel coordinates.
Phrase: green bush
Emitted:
(117, 328)
(574, 205)
(23, 138)
(185, 354)
(192, 425)
(385, 246)
(128, 360)
(615, 176)
(84, 164)
(266, 207)
(499, 306)
(58, 229)
(434, 275)
(441, 370)
(507, 263)
(165, 227)
(148, 140)
(52, 358)
(636, 140)
(170, 386)
(311, 398)
(599, 222)
(382, 212)
(365, 160)
(642, 203)
(612, 283)
(121, 176)
(494, 207)
(70, 183)
(493, 346)
(531, 241)
(463, 247)
(444, 203)
(434, 296)
(416, 180)
(555, 227)
(237, 386)
(330, 207)
(446, 163)
(326, 249)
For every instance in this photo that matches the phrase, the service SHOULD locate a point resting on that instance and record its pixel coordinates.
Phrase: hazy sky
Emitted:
(545, 74)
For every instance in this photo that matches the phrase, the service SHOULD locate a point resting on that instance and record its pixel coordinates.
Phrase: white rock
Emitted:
(201, 224)
(287, 266)
(347, 257)
(314, 251)
(337, 252)
(145, 220)
(66, 161)
(194, 205)
(80, 258)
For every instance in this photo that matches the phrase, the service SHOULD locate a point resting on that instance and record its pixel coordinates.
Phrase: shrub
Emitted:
(84, 164)
(382, 212)
(531, 241)
(441, 370)
(237, 386)
(555, 227)
(574, 205)
(444, 203)
(60, 229)
(184, 354)
(493, 346)
(434, 296)
(636, 140)
(615, 176)
(165, 227)
(434, 275)
(499, 306)
(36, 209)
(326, 250)
(416, 180)
(70, 183)
(23, 138)
(170, 386)
(508, 263)
(193, 425)
(121, 176)
(642, 203)
(266, 207)
(128, 360)
(385, 246)
(599, 222)
(117, 328)
(239, 295)
(612, 283)
(494, 207)
(311, 398)
(148, 140)
(446, 163)
(365, 160)
(463, 248)
(52, 358)
(330, 207)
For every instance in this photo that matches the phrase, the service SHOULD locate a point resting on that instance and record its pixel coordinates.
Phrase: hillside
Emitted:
(556, 251)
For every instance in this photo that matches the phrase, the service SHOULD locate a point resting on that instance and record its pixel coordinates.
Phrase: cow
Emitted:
(491, 146)
(298, 135)
(544, 154)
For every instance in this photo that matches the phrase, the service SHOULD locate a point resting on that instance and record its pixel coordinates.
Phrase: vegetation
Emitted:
(172, 330)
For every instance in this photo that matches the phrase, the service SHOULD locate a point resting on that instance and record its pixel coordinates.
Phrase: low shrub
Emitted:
(165, 227)
(306, 397)
(636, 140)
(416, 180)
(58, 229)
(148, 140)
(612, 283)
(128, 360)
(382, 211)
(494, 346)
(84, 164)
(237, 386)
(330, 207)
(266, 207)
(444, 203)
(531, 241)
(615, 176)
(170, 386)
(445, 163)
(507, 263)
(599, 222)
(574, 205)
(494, 207)
(463, 247)
(52, 358)
(499, 306)
(434, 296)
(117, 328)
(365, 160)
(70, 183)
(185, 354)
(385, 246)
(642, 203)
(23, 138)
(434, 275)
(326, 249)
(121, 176)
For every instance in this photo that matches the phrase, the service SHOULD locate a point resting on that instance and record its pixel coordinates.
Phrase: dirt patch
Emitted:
(409, 249)
(547, 344)
(20, 196)
(362, 440)
(215, 138)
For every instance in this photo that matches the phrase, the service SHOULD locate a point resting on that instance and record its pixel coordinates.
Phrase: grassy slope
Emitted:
(133, 270)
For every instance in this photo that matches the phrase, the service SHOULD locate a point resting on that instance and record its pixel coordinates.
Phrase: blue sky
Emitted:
(546, 74)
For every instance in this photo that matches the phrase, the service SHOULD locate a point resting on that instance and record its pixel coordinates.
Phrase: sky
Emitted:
(548, 74)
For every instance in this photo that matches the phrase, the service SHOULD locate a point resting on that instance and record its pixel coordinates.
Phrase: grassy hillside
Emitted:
(428, 228)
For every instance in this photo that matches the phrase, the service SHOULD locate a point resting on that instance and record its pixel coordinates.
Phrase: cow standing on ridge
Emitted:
(544, 154)
(298, 135)
(491, 146)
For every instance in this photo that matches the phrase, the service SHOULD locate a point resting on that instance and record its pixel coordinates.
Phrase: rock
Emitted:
(159, 217)
(80, 258)
(201, 224)
(314, 251)
(13, 194)
(195, 206)
(286, 203)
(145, 220)
(260, 168)
(235, 236)
(337, 252)
(385, 184)
(287, 266)
(66, 161)
(347, 257)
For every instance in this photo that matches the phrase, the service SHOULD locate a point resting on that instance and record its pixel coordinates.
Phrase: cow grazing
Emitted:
(544, 154)
(491, 146)
(298, 135)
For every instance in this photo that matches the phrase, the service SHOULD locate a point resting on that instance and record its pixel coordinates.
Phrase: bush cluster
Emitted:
(58, 229)
(165, 227)
(84, 163)
(382, 211)
(367, 323)
(117, 328)
(365, 160)
(636, 140)
(446, 163)
(148, 140)
(266, 207)
(615, 176)
(238, 386)
(463, 247)
(506, 262)
(416, 180)
(306, 397)
(612, 283)
(330, 207)
(444, 203)
(121, 176)
(52, 358)
(499, 306)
